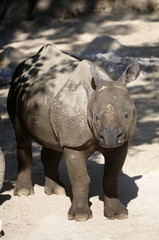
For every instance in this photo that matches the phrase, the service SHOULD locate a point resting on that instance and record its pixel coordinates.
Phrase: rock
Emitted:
(106, 52)
(103, 44)
(11, 57)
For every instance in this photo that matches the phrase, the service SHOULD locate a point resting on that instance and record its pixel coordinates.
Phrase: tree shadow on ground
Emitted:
(68, 32)
(56, 31)
(146, 95)
(147, 104)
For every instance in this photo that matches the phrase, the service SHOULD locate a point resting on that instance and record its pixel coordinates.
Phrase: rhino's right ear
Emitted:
(131, 73)
(97, 81)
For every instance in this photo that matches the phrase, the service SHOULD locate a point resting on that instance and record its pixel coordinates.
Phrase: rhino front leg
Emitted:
(51, 159)
(77, 171)
(114, 160)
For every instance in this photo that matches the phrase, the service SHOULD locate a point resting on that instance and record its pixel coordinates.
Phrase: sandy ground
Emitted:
(44, 217)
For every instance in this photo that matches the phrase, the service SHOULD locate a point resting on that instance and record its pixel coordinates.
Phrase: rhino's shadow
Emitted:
(128, 188)
(4, 198)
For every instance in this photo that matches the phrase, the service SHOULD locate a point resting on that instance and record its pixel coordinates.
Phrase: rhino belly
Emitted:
(36, 120)
(43, 134)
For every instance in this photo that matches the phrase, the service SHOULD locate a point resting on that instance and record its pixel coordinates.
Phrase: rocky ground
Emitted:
(113, 43)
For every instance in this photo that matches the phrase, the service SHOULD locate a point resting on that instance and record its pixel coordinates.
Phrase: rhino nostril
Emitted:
(101, 139)
(120, 136)
(101, 136)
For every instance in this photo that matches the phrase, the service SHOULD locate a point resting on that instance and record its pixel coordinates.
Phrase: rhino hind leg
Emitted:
(51, 159)
(114, 160)
(24, 156)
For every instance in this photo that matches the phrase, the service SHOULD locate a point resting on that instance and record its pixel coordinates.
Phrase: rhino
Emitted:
(71, 107)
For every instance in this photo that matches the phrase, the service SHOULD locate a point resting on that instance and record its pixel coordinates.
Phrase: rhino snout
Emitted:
(111, 137)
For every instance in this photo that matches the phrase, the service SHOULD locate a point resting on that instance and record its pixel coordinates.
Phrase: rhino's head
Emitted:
(111, 111)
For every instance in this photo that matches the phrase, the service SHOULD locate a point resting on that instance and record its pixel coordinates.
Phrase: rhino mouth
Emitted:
(112, 137)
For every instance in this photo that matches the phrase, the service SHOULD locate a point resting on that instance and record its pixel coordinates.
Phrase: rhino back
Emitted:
(35, 84)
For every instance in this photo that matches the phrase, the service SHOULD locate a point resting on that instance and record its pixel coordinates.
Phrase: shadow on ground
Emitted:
(128, 189)
(4, 198)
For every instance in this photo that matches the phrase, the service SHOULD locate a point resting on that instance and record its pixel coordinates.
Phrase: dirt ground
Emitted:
(44, 217)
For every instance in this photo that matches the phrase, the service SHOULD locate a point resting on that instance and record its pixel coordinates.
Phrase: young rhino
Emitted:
(71, 107)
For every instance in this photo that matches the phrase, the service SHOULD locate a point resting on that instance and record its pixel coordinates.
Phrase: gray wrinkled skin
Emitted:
(71, 107)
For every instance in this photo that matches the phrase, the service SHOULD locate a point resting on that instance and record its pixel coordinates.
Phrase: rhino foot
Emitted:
(114, 209)
(79, 215)
(23, 189)
(51, 187)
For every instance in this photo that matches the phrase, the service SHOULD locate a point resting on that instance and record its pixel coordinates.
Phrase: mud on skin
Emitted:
(74, 108)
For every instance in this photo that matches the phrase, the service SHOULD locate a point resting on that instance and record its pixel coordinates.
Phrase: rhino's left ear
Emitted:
(131, 73)
(99, 77)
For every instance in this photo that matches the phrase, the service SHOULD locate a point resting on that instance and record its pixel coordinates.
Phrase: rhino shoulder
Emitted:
(68, 113)
(68, 116)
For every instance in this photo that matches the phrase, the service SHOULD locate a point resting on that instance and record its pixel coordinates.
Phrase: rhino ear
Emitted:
(97, 81)
(131, 73)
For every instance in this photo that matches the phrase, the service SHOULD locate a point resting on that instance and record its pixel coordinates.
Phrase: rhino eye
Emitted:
(126, 115)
